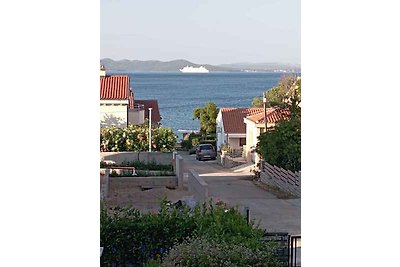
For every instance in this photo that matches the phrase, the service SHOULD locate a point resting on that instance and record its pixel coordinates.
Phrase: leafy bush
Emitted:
(190, 141)
(129, 237)
(135, 138)
(205, 252)
(152, 165)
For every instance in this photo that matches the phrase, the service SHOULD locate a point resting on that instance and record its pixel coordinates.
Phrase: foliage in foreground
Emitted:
(135, 138)
(130, 237)
(205, 252)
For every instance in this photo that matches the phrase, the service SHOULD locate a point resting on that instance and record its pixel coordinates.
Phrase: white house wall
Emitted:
(220, 131)
(113, 113)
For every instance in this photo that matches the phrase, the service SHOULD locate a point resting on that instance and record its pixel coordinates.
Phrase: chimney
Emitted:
(102, 71)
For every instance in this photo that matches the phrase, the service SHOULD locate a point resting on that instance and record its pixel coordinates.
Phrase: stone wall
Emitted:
(145, 157)
(227, 161)
(197, 186)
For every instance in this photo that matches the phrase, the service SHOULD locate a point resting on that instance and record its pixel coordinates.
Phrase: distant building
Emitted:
(231, 130)
(255, 125)
(155, 111)
(117, 104)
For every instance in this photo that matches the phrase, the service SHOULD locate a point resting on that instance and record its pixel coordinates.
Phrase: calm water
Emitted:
(179, 93)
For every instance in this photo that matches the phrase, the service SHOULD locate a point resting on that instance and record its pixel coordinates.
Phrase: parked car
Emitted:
(205, 151)
(192, 150)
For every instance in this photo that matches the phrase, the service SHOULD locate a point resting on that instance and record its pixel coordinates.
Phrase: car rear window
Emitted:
(206, 147)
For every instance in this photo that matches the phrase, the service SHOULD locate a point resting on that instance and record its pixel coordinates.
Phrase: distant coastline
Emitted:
(176, 65)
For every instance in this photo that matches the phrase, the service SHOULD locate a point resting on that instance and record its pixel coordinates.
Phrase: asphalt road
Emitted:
(237, 189)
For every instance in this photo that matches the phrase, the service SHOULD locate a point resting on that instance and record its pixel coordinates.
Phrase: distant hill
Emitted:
(155, 65)
(267, 67)
(175, 65)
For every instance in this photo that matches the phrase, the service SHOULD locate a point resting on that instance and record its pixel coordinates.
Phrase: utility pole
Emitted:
(150, 129)
(265, 110)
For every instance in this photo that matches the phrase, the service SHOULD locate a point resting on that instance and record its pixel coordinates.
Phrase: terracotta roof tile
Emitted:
(114, 87)
(233, 118)
(273, 115)
(155, 112)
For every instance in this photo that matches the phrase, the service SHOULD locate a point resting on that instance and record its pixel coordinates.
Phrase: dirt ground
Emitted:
(123, 194)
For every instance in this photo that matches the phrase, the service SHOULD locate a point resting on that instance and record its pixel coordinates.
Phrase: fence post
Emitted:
(262, 165)
(179, 170)
(247, 211)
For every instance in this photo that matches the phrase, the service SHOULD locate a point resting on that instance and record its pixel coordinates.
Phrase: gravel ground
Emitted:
(124, 194)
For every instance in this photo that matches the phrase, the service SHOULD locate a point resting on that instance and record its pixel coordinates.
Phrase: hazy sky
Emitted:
(214, 31)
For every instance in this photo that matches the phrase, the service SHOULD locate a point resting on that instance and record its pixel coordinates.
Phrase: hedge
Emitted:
(131, 238)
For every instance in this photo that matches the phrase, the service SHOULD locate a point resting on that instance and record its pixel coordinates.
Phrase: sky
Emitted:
(213, 32)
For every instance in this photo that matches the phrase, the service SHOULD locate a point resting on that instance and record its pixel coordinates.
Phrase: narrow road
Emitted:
(236, 189)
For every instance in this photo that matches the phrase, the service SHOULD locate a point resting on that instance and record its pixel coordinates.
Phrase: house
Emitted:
(255, 125)
(117, 104)
(231, 129)
(155, 111)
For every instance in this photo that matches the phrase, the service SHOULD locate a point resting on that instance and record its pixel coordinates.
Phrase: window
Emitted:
(242, 141)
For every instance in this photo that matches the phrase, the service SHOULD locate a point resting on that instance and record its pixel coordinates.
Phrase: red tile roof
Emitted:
(115, 87)
(233, 118)
(273, 115)
(155, 112)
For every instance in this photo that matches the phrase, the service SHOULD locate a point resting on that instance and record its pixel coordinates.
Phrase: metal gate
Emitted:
(289, 247)
(295, 251)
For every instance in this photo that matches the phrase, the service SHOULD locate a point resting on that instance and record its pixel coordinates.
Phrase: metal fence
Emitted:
(289, 247)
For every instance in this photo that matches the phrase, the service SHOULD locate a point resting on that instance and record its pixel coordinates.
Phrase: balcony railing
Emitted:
(138, 107)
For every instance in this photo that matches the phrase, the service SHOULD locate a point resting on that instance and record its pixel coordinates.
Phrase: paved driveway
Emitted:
(236, 189)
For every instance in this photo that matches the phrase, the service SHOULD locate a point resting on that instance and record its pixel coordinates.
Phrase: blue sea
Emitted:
(179, 93)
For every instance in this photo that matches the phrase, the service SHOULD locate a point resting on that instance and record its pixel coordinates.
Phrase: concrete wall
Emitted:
(197, 187)
(104, 183)
(227, 161)
(168, 181)
(119, 157)
(178, 167)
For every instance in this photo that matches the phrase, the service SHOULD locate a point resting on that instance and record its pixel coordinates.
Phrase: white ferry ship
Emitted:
(190, 69)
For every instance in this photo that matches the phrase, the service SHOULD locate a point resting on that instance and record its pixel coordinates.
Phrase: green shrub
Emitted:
(129, 237)
(152, 165)
(210, 252)
(191, 140)
(135, 138)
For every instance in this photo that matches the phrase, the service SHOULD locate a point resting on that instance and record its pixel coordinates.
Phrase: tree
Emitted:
(276, 95)
(281, 146)
(257, 102)
(207, 116)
